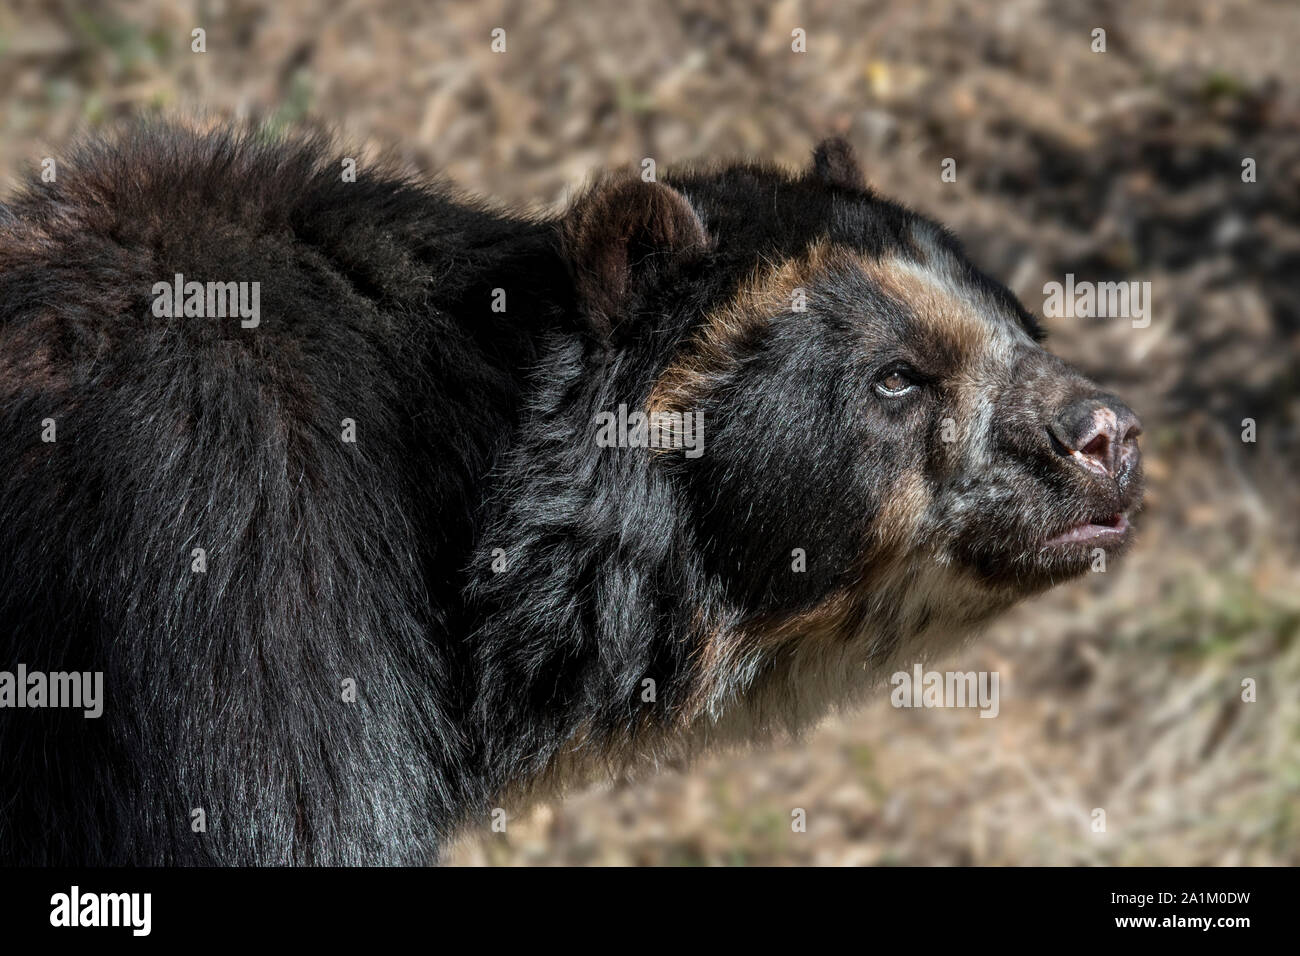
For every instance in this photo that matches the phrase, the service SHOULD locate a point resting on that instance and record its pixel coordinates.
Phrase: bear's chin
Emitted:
(1035, 571)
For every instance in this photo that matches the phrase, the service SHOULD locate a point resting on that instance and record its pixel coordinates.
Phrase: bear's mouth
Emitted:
(1102, 529)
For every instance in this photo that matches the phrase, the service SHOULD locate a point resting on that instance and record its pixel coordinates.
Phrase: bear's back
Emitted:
(254, 524)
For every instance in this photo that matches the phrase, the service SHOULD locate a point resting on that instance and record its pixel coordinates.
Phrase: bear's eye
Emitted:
(895, 384)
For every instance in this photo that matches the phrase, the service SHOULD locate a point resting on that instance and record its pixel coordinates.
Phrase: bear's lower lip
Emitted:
(1111, 527)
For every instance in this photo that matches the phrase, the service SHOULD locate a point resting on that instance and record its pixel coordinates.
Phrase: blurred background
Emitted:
(1121, 691)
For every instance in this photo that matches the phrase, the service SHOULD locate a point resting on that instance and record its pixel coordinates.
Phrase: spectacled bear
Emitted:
(461, 505)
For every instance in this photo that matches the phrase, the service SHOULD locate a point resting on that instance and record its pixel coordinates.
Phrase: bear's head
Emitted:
(874, 448)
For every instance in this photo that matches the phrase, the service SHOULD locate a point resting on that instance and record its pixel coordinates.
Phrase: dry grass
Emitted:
(1121, 691)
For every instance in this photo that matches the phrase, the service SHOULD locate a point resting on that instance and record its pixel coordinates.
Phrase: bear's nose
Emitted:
(1100, 433)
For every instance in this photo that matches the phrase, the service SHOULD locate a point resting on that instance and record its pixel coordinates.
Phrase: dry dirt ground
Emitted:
(1121, 692)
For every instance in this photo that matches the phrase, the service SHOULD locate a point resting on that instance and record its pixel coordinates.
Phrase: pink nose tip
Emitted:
(1100, 433)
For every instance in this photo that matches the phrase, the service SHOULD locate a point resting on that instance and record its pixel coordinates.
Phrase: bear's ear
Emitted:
(835, 164)
(618, 237)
